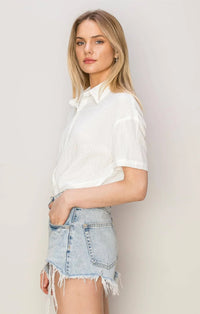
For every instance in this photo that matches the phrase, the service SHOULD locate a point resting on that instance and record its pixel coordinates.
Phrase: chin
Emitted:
(91, 71)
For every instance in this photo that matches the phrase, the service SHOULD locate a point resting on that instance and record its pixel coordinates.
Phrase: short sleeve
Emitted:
(129, 146)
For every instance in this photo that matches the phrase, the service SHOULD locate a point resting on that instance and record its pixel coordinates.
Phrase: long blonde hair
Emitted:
(119, 78)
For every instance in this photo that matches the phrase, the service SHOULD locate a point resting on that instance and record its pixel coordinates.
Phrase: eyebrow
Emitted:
(91, 36)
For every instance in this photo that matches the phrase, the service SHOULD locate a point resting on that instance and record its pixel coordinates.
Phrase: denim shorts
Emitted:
(85, 246)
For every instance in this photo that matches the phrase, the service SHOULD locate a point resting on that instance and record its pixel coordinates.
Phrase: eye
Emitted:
(81, 42)
(78, 42)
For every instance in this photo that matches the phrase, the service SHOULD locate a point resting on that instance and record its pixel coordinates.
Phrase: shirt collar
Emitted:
(94, 92)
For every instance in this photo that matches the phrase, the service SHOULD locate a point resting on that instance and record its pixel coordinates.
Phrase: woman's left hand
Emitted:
(59, 210)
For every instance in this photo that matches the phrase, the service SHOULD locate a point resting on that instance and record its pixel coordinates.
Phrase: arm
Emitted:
(132, 188)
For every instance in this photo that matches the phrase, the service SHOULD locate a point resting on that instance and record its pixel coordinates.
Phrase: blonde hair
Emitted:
(119, 78)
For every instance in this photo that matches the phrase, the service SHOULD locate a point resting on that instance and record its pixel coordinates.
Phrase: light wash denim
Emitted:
(85, 246)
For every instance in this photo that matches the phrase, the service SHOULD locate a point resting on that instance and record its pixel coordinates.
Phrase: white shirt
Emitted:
(102, 134)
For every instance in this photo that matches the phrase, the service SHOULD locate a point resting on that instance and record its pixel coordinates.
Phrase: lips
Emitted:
(87, 60)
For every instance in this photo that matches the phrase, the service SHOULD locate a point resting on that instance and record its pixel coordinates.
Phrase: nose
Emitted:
(88, 48)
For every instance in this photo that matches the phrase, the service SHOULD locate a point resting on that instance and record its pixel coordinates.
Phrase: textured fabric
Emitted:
(102, 134)
(84, 247)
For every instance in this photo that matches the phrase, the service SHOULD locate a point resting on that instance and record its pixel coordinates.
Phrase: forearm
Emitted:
(105, 195)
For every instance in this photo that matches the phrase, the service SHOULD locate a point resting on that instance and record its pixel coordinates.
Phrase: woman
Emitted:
(102, 162)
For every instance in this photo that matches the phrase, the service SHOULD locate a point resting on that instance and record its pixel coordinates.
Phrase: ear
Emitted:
(116, 54)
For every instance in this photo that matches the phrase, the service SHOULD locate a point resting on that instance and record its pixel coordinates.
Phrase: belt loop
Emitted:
(73, 213)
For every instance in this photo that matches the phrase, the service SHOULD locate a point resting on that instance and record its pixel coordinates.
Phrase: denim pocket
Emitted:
(101, 243)
(65, 225)
(57, 244)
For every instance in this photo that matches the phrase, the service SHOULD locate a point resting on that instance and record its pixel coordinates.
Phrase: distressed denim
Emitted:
(85, 246)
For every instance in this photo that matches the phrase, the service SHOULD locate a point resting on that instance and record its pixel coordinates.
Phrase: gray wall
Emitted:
(158, 237)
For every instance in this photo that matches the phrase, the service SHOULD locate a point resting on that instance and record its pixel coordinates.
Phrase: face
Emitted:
(91, 43)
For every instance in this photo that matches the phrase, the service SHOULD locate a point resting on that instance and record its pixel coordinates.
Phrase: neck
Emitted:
(96, 78)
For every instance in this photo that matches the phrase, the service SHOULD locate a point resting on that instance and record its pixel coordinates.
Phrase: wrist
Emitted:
(69, 198)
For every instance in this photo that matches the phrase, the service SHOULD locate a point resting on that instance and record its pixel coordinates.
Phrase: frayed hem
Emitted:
(110, 286)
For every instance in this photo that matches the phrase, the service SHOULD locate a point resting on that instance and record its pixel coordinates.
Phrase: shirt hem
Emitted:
(130, 163)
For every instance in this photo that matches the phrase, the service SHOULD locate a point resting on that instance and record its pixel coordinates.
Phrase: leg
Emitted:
(81, 296)
(106, 304)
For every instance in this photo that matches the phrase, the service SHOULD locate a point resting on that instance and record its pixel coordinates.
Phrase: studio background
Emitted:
(158, 238)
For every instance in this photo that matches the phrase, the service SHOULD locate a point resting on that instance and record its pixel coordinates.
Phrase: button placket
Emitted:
(82, 104)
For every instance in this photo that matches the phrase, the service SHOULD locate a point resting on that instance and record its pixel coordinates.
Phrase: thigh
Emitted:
(80, 296)
(106, 303)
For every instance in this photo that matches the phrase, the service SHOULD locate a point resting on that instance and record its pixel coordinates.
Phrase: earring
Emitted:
(116, 59)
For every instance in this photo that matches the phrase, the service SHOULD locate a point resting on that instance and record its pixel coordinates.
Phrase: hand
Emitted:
(44, 283)
(59, 210)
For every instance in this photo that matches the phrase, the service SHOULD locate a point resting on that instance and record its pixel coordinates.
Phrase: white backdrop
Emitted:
(159, 237)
